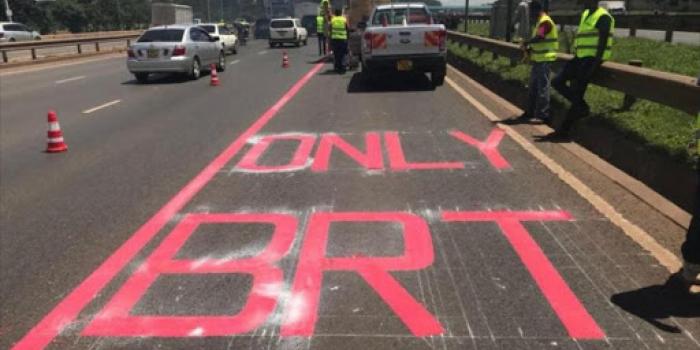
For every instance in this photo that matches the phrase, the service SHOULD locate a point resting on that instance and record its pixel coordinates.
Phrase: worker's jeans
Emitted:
(691, 246)
(538, 101)
(577, 73)
(340, 49)
(321, 44)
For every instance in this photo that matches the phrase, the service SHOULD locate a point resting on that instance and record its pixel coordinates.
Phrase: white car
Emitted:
(287, 30)
(227, 38)
(12, 31)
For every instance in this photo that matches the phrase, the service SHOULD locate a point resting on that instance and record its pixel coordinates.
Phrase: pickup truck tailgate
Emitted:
(406, 40)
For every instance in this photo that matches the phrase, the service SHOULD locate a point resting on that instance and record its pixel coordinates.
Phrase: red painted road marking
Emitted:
(68, 309)
(298, 161)
(397, 159)
(115, 319)
(301, 312)
(370, 160)
(489, 147)
(576, 319)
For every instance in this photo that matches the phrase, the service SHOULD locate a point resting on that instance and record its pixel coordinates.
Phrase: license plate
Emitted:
(404, 65)
(282, 33)
(152, 53)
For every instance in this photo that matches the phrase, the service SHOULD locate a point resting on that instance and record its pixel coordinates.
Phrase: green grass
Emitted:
(656, 126)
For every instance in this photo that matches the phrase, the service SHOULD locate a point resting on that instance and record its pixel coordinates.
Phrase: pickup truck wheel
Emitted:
(235, 49)
(306, 41)
(141, 78)
(298, 43)
(437, 78)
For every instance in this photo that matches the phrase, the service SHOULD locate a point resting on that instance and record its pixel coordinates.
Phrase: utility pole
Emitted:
(8, 11)
(509, 19)
(221, 2)
(208, 11)
(466, 14)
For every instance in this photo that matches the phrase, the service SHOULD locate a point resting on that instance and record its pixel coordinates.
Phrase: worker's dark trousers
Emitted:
(572, 82)
(340, 49)
(538, 101)
(321, 44)
(691, 246)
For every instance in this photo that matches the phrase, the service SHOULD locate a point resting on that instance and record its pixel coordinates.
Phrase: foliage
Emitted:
(82, 15)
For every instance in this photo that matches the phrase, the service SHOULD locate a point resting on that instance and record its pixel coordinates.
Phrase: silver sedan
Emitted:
(184, 49)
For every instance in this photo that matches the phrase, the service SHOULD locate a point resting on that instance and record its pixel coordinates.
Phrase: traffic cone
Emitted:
(214, 76)
(285, 60)
(55, 136)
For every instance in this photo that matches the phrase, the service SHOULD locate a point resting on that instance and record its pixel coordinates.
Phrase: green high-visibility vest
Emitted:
(586, 42)
(545, 50)
(319, 24)
(338, 28)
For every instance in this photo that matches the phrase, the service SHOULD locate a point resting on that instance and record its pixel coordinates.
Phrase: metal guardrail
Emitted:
(33, 46)
(673, 90)
(668, 22)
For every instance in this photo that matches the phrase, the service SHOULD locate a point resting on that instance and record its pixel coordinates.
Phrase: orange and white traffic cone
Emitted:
(214, 76)
(285, 60)
(55, 135)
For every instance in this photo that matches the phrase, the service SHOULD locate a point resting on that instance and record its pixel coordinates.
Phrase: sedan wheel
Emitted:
(221, 66)
(196, 70)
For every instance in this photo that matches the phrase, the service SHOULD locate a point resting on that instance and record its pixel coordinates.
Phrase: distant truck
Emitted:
(614, 7)
(166, 13)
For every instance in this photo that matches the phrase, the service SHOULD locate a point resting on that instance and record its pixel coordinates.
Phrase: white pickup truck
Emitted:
(402, 37)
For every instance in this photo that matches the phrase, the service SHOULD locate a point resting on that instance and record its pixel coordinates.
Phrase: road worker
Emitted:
(339, 40)
(541, 48)
(691, 247)
(321, 33)
(592, 46)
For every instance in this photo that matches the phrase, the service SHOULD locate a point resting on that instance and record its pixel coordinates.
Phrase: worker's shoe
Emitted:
(690, 273)
(522, 119)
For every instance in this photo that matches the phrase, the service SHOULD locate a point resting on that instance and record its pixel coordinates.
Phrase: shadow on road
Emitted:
(360, 83)
(655, 304)
(164, 79)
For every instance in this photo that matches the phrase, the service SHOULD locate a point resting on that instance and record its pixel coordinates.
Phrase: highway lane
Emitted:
(341, 173)
(70, 210)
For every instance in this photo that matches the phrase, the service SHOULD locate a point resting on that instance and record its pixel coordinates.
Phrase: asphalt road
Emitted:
(299, 209)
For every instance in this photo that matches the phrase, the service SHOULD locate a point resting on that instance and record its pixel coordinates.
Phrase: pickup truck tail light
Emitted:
(442, 36)
(368, 41)
(436, 38)
(2, 35)
(129, 52)
(375, 41)
(179, 51)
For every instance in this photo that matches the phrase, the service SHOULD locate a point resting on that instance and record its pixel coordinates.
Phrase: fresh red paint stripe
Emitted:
(572, 314)
(68, 309)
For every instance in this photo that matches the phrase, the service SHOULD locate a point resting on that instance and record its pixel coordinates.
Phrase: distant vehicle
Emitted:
(309, 22)
(164, 14)
(12, 31)
(184, 49)
(614, 7)
(401, 37)
(262, 28)
(227, 38)
(287, 30)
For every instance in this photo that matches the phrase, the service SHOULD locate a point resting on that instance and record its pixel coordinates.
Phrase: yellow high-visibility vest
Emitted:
(546, 49)
(586, 42)
(319, 24)
(338, 28)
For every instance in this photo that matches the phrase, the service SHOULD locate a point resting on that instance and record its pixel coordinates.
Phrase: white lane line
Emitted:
(262, 52)
(234, 62)
(667, 259)
(111, 103)
(63, 81)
